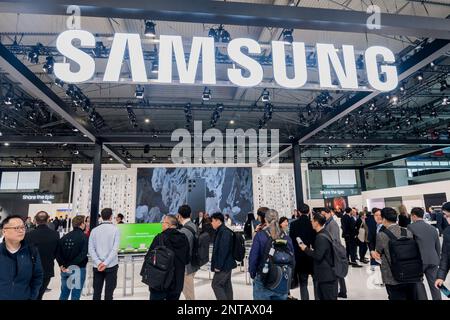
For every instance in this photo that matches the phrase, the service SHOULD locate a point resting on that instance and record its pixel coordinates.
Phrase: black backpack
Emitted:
(200, 250)
(276, 268)
(340, 261)
(159, 267)
(406, 262)
(238, 247)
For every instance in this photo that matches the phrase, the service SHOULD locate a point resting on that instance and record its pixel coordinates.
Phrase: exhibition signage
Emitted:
(246, 71)
(137, 237)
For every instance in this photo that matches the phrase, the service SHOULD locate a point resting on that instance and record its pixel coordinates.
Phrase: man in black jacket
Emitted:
(302, 228)
(72, 260)
(47, 242)
(176, 241)
(349, 233)
(327, 285)
(444, 265)
(222, 261)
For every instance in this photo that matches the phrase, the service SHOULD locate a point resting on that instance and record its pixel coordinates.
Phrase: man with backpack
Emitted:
(271, 261)
(222, 260)
(323, 256)
(189, 229)
(401, 264)
(165, 262)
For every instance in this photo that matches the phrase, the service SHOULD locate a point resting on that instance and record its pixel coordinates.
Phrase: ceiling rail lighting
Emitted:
(48, 65)
(139, 93)
(265, 96)
(150, 30)
(287, 35)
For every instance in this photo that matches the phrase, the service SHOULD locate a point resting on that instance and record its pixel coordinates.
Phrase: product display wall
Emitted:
(117, 191)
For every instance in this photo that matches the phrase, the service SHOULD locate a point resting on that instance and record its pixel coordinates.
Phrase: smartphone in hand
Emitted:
(299, 241)
(445, 291)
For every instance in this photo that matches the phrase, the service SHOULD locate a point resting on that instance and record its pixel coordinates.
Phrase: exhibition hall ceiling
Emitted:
(417, 111)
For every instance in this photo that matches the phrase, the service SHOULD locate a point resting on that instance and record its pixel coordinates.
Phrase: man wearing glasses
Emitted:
(21, 274)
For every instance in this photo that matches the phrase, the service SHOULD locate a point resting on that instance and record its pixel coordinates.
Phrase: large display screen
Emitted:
(137, 237)
(161, 191)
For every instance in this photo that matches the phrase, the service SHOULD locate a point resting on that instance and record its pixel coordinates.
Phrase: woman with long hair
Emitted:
(404, 218)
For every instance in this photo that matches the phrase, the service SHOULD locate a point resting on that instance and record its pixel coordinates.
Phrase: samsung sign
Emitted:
(378, 61)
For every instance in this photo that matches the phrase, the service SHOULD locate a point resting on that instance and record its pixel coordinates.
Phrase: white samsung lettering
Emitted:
(68, 50)
(234, 52)
(116, 56)
(245, 72)
(186, 73)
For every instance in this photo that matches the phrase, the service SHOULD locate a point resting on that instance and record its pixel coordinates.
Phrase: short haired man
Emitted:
(427, 238)
(325, 277)
(72, 259)
(395, 289)
(47, 242)
(222, 262)
(176, 241)
(444, 264)
(104, 243)
(190, 230)
(16, 254)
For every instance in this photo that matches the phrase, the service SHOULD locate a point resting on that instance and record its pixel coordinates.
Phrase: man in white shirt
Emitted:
(103, 249)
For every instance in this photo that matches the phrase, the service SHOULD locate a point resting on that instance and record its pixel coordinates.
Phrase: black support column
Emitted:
(362, 179)
(298, 174)
(96, 180)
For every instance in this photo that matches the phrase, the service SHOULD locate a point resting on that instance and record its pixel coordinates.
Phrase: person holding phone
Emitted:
(444, 265)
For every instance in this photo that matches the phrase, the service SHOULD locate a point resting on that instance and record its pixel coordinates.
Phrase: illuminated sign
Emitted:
(246, 71)
(36, 196)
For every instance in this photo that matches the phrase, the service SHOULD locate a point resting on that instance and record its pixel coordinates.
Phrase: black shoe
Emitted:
(342, 295)
(356, 265)
(291, 298)
(365, 261)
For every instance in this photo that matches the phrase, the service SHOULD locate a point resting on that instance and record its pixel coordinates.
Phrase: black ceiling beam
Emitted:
(238, 13)
(429, 53)
(403, 156)
(35, 87)
(375, 142)
(46, 140)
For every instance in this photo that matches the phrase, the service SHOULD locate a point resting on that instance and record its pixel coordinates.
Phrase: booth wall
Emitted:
(60, 209)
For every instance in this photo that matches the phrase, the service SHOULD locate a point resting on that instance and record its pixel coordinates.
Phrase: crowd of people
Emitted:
(285, 253)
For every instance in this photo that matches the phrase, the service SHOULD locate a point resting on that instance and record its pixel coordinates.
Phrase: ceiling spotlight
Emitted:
(287, 35)
(402, 87)
(33, 55)
(99, 50)
(419, 76)
(348, 146)
(445, 101)
(9, 96)
(59, 83)
(444, 85)
(372, 106)
(219, 34)
(147, 120)
(150, 29)
(155, 66)
(6, 144)
(433, 113)
(111, 159)
(394, 100)
(265, 96)
(48, 65)
(76, 152)
(139, 93)
(292, 3)
(206, 96)
(231, 121)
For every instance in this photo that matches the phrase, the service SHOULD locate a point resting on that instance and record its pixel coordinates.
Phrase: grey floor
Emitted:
(362, 284)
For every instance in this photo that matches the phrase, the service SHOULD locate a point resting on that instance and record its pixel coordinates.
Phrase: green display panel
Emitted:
(137, 237)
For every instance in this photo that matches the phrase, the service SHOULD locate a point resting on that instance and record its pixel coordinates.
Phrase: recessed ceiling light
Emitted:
(6, 144)
(348, 146)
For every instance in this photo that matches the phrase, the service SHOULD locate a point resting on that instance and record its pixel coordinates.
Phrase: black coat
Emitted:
(222, 256)
(47, 242)
(372, 227)
(323, 257)
(444, 265)
(302, 228)
(348, 225)
(73, 249)
(177, 241)
(403, 221)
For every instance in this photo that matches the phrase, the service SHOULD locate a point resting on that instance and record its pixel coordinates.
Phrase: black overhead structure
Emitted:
(96, 180)
(238, 13)
(403, 156)
(298, 175)
(34, 86)
(376, 142)
(362, 179)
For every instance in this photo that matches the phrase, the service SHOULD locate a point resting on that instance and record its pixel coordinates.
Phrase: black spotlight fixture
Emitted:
(206, 95)
(287, 35)
(150, 29)
(419, 77)
(99, 50)
(9, 96)
(59, 83)
(33, 55)
(223, 34)
(48, 65)
(139, 93)
(444, 85)
(265, 96)
(360, 62)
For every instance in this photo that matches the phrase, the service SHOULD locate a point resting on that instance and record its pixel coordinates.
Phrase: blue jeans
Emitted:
(76, 286)
(261, 293)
